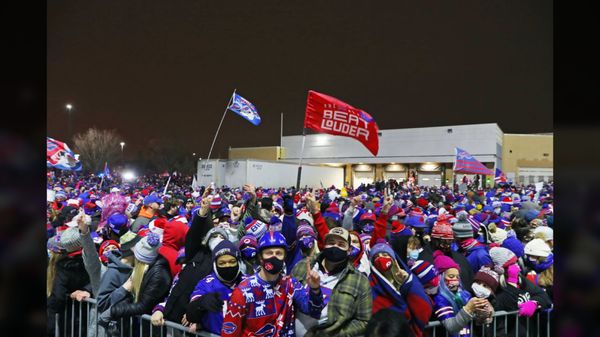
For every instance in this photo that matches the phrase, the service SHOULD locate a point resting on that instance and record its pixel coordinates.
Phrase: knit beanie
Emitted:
(127, 242)
(381, 247)
(544, 232)
(146, 250)
(215, 203)
(424, 270)
(537, 247)
(54, 245)
(219, 230)
(443, 262)
(225, 247)
(70, 239)
(487, 276)
(256, 228)
(305, 229)
(502, 257)
(462, 228)
(514, 245)
(248, 240)
(497, 235)
(442, 230)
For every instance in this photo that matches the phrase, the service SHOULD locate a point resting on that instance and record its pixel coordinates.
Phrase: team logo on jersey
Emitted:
(268, 330)
(229, 328)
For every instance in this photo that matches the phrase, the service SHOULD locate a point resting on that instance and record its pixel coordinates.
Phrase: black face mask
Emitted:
(272, 265)
(228, 274)
(335, 255)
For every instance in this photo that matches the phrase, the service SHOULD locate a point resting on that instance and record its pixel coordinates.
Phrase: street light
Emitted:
(122, 145)
(69, 108)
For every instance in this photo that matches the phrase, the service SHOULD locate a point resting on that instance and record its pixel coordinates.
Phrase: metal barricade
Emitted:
(80, 319)
(503, 323)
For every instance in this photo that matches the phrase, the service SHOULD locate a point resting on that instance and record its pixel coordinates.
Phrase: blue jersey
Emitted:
(212, 321)
(444, 310)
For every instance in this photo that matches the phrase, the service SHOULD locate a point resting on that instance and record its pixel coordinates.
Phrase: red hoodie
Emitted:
(173, 240)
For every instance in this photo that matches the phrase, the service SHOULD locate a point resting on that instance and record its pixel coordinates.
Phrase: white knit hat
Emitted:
(70, 239)
(146, 250)
(502, 257)
(537, 247)
(546, 231)
(497, 235)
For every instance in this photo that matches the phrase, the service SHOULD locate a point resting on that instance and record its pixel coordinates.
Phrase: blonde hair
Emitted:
(51, 271)
(413, 242)
(546, 278)
(540, 235)
(139, 269)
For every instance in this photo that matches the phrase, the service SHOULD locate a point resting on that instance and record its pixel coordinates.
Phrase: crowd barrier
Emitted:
(80, 320)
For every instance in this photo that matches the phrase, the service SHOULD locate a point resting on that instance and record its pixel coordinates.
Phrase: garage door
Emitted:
(398, 176)
(430, 179)
(363, 177)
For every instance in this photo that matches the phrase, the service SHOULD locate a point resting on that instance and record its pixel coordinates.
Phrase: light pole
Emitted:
(69, 108)
(122, 146)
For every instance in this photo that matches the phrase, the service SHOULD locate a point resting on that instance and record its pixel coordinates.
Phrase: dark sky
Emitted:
(166, 69)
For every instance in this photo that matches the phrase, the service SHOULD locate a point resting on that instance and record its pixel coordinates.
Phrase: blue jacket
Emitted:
(294, 254)
(444, 309)
(212, 321)
(479, 256)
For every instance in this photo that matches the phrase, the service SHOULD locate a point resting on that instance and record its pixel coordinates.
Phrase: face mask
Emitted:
(335, 254)
(452, 284)
(481, 291)
(212, 243)
(228, 274)
(248, 253)
(413, 254)
(368, 228)
(354, 253)
(383, 263)
(306, 242)
(272, 265)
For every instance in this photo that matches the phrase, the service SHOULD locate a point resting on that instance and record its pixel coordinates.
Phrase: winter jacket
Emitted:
(70, 275)
(115, 276)
(91, 261)
(197, 267)
(143, 218)
(508, 299)
(478, 256)
(350, 305)
(155, 286)
(466, 272)
(173, 240)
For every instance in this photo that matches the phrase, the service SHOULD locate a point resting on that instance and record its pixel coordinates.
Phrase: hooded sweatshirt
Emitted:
(116, 274)
(173, 240)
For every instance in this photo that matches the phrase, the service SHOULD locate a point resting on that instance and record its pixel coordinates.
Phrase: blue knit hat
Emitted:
(381, 247)
(514, 245)
(424, 270)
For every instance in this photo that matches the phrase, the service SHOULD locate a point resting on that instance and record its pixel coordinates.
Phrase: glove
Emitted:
(527, 309)
(513, 273)
(207, 302)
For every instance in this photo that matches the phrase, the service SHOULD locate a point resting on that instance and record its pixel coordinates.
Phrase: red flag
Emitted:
(330, 115)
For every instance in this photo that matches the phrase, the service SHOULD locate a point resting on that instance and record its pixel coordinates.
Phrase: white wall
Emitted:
(415, 145)
(235, 173)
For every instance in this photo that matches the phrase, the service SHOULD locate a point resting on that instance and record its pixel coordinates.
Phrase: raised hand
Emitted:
(312, 278)
(205, 205)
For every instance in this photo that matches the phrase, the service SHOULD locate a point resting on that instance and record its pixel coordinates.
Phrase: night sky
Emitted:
(166, 69)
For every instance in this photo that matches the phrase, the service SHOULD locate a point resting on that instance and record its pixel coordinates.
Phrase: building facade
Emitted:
(427, 154)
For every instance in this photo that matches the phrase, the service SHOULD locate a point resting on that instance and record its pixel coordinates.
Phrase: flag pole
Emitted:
(300, 163)
(219, 128)
(281, 132)
(167, 185)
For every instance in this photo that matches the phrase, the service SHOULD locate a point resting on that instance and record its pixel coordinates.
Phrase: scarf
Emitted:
(542, 266)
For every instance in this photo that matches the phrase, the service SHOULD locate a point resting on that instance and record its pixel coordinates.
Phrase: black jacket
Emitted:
(466, 272)
(70, 275)
(196, 268)
(154, 288)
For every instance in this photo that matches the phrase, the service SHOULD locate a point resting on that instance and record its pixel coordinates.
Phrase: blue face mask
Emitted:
(368, 228)
(413, 254)
(306, 242)
(354, 253)
(248, 253)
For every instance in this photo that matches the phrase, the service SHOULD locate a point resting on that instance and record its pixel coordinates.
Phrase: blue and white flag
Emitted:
(244, 108)
(466, 163)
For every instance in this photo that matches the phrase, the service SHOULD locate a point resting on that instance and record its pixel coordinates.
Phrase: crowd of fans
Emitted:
(380, 260)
